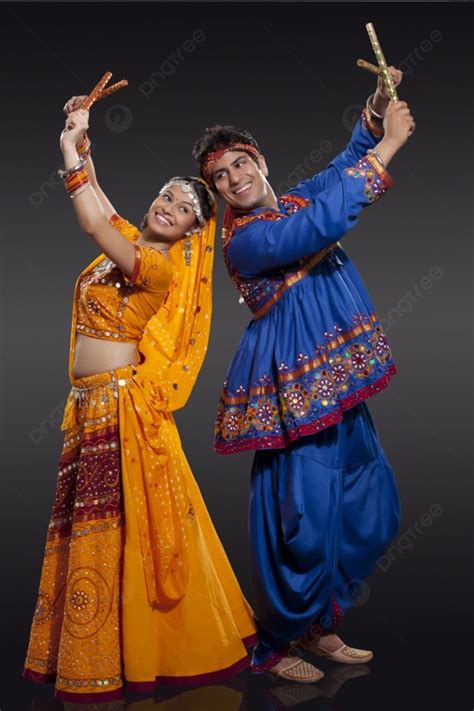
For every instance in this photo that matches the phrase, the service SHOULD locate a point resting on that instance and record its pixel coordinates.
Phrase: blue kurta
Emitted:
(315, 347)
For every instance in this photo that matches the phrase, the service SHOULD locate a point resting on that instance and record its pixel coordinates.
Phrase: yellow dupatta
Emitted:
(172, 350)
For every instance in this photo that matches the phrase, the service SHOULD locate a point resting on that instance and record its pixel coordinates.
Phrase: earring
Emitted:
(188, 252)
(144, 222)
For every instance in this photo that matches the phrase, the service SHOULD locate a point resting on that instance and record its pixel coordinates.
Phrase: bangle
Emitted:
(373, 113)
(376, 155)
(84, 148)
(74, 178)
(76, 194)
(65, 173)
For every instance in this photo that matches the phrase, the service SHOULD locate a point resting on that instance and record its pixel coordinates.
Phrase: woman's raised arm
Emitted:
(75, 103)
(89, 209)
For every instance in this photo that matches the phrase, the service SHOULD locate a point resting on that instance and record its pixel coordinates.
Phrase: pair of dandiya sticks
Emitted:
(100, 92)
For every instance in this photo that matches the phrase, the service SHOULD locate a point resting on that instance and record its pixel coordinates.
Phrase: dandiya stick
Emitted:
(387, 77)
(112, 89)
(96, 91)
(370, 67)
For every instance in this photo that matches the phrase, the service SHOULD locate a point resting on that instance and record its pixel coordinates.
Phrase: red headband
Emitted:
(212, 157)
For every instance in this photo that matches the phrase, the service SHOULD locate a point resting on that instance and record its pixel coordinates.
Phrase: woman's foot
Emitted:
(294, 668)
(332, 647)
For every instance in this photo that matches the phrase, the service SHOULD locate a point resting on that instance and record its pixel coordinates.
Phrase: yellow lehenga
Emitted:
(136, 588)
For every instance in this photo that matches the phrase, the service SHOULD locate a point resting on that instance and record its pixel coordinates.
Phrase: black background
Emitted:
(287, 72)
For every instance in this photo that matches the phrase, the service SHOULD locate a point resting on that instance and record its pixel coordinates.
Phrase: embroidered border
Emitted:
(308, 396)
(264, 290)
(280, 441)
(378, 180)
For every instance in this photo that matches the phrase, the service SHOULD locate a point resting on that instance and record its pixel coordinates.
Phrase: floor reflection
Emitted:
(243, 693)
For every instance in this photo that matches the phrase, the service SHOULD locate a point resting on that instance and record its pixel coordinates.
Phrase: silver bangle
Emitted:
(64, 173)
(75, 194)
(377, 156)
(373, 113)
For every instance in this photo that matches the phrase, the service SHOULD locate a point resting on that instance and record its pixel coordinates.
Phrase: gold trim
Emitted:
(292, 279)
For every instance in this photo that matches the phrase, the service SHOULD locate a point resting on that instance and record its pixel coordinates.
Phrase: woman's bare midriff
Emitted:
(93, 355)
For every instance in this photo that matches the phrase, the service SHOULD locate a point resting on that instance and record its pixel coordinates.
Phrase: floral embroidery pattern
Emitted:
(308, 396)
(377, 180)
(258, 291)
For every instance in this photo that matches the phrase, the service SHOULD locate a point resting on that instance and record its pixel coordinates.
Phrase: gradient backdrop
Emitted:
(287, 72)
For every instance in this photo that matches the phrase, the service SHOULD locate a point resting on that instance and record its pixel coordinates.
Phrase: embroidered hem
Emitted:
(143, 686)
(266, 441)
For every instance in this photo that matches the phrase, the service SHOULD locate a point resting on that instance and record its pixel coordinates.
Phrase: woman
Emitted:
(135, 584)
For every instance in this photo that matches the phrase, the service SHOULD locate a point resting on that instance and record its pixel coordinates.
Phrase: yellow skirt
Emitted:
(94, 628)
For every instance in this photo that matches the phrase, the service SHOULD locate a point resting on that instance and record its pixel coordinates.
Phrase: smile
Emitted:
(162, 220)
(244, 189)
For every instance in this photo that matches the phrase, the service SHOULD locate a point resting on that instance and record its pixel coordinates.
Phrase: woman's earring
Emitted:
(144, 222)
(188, 252)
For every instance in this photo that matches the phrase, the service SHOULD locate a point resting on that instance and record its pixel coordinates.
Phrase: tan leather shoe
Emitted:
(299, 670)
(344, 654)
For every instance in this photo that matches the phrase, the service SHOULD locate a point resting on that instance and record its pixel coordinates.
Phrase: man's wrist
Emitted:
(379, 103)
(387, 149)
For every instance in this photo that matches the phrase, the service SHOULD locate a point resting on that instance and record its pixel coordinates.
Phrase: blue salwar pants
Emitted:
(322, 511)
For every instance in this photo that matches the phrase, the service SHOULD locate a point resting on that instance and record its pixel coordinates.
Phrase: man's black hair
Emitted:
(216, 136)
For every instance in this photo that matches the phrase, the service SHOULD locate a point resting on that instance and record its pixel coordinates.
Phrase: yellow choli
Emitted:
(114, 307)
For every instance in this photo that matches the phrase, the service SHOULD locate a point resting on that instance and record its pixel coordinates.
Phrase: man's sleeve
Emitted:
(263, 245)
(366, 134)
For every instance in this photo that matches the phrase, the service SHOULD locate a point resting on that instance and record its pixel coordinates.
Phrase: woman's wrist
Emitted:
(70, 154)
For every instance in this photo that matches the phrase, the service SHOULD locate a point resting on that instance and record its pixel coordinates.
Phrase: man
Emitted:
(323, 503)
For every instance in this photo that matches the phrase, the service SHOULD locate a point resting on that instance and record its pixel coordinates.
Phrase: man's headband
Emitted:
(212, 157)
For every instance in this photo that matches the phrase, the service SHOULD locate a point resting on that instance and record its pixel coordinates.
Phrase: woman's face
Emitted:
(171, 214)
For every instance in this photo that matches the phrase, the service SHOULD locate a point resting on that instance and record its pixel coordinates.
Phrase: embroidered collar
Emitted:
(288, 204)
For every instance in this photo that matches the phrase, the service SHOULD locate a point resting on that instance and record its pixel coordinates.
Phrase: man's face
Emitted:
(240, 181)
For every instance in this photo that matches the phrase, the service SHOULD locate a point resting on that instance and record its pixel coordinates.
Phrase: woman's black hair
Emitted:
(216, 136)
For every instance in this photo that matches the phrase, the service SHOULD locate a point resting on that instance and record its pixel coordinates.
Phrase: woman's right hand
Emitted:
(75, 103)
(77, 123)
(398, 124)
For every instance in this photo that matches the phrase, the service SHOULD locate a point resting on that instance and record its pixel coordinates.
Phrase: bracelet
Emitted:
(76, 180)
(65, 173)
(76, 194)
(84, 149)
(85, 154)
(373, 113)
(376, 155)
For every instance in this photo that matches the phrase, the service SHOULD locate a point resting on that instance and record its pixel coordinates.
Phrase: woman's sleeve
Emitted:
(124, 227)
(366, 134)
(152, 271)
(263, 245)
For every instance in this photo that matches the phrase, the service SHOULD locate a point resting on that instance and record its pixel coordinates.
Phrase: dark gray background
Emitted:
(287, 72)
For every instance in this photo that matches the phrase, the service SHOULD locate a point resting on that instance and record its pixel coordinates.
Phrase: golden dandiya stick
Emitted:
(96, 91)
(112, 89)
(370, 67)
(384, 71)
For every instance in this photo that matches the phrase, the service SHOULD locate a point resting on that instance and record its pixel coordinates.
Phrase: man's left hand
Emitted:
(381, 90)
